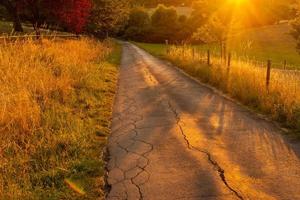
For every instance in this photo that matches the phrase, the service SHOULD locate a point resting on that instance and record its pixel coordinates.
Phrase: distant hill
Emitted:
(272, 42)
(268, 42)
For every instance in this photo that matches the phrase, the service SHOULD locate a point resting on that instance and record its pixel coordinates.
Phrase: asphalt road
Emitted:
(173, 138)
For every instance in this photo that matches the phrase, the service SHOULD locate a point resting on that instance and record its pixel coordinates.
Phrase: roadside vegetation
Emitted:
(243, 81)
(56, 103)
(252, 41)
(255, 45)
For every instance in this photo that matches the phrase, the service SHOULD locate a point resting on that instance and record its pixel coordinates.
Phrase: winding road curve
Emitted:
(173, 138)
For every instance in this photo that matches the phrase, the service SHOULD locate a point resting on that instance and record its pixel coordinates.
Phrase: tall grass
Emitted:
(246, 81)
(55, 105)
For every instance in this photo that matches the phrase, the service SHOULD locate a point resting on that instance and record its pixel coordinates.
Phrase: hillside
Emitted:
(272, 42)
(269, 42)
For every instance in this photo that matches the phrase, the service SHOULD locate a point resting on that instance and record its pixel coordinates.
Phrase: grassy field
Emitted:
(56, 103)
(259, 45)
(243, 81)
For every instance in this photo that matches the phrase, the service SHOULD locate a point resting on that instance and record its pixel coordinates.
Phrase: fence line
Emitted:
(39, 36)
(213, 55)
(211, 58)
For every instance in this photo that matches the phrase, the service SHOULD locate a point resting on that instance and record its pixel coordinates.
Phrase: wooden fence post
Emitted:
(268, 75)
(208, 57)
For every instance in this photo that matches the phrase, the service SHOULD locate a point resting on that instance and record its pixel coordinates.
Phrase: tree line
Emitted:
(98, 17)
(210, 20)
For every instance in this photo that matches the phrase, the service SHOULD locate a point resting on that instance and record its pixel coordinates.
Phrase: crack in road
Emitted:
(131, 108)
(128, 111)
(159, 111)
(216, 165)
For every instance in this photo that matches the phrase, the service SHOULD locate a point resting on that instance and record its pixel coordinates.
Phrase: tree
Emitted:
(215, 30)
(108, 16)
(164, 24)
(202, 10)
(138, 24)
(12, 9)
(164, 17)
(139, 17)
(296, 29)
(73, 14)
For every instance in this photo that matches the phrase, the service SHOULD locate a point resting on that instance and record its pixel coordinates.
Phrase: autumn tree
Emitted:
(73, 14)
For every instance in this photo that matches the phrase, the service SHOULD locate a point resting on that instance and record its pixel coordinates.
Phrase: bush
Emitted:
(138, 25)
(164, 24)
(139, 17)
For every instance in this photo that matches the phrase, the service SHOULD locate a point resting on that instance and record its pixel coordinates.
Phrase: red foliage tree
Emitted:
(73, 13)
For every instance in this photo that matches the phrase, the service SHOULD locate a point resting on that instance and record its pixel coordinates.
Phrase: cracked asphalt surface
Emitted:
(173, 138)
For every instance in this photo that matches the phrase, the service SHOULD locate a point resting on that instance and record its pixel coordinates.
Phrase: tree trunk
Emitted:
(12, 10)
(36, 18)
(36, 27)
(17, 23)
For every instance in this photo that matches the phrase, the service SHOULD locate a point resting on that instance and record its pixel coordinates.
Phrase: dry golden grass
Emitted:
(55, 105)
(246, 81)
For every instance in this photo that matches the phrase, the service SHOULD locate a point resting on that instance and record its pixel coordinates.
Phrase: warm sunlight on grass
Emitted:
(247, 82)
(56, 99)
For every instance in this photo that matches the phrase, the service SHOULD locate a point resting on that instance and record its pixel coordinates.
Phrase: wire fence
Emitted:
(212, 58)
(42, 36)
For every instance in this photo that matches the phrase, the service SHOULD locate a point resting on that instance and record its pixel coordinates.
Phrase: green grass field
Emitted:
(259, 44)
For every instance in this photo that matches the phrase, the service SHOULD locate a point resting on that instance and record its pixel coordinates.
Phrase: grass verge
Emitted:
(242, 81)
(55, 112)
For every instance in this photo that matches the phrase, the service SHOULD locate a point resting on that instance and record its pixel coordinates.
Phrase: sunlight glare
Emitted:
(238, 2)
